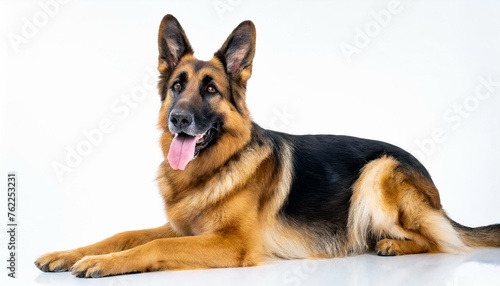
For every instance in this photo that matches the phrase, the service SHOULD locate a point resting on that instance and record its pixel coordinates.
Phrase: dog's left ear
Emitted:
(238, 51)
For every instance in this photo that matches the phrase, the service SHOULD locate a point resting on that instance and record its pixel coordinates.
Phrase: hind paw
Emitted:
(392, 247)
(388, 247)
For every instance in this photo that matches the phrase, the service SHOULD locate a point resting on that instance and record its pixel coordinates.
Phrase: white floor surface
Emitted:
(480, 267)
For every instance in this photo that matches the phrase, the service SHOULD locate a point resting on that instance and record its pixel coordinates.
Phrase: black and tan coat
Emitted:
(236, 193)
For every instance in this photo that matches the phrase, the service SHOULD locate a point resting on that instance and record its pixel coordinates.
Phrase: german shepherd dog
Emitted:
(236, 193)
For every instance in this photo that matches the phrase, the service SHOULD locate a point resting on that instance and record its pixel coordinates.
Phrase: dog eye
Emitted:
(177, 86)
(211, 89)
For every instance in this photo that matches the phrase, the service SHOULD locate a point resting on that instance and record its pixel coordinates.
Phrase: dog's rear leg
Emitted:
(63, 260)
(399, 207)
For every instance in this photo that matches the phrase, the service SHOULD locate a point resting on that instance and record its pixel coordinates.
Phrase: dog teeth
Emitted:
(201, 140)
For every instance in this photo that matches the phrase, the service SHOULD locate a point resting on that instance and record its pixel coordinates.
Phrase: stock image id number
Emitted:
(11, 197)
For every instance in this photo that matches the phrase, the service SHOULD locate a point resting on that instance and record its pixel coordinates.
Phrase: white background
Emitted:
(78, 64)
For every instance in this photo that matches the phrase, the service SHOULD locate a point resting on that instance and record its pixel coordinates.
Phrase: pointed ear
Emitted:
(238, 50)
(172, 43)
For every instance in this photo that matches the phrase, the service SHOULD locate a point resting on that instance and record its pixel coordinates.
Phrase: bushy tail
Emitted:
(484, 236)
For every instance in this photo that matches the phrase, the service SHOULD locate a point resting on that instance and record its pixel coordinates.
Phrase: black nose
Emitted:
(181, 118)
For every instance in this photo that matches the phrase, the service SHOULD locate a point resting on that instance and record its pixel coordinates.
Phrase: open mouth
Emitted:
(203, 140)
(184, 148)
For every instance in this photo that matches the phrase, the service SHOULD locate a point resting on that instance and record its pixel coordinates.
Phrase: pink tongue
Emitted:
(181, 151)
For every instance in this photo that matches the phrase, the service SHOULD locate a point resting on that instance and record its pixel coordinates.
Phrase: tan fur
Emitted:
(389, 206)
(64, 260)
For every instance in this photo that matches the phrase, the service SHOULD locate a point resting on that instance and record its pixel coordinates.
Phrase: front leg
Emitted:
(64, 260)
(190, 252)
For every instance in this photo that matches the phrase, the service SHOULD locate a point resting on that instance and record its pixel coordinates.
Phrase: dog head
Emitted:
(203, 102)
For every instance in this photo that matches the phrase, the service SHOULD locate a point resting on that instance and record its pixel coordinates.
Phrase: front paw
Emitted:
(58, 261)
(95, 266)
